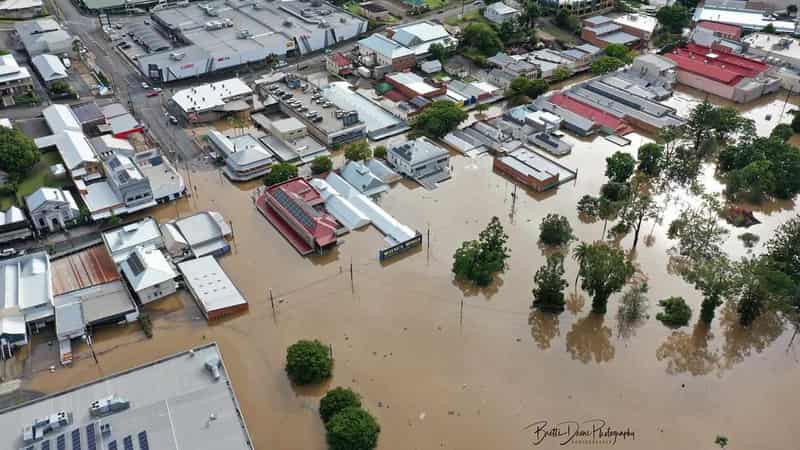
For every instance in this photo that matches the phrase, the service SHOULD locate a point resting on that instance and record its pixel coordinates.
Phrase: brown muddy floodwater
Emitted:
(435, 378)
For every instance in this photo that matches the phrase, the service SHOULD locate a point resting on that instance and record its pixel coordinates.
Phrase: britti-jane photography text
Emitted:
(593, 431)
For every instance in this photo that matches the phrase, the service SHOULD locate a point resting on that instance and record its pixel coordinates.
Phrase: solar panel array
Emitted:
(128, 443)
(143, 444)
(61, 442)
(76, 439)
(294, 209)
(91, 437)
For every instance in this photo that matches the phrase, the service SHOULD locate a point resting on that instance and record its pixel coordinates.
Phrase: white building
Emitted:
(500, 12)
(13, 225)
(288, 129)
(361, 178)
(122, 241)
(212, 289)
(51, 208)
(27, 297)
(422, 160)
(339, 207)
(149, 274)
(419, 36)
(50, 68)
(14, 79)
(245, 157)
(212, 101)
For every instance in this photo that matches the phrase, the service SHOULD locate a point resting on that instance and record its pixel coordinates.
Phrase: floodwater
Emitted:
(445, 366)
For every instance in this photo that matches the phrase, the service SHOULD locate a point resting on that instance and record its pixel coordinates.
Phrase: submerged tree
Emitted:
(555, 230)
(620, 167)
(478, 260)
(438, 119)
(639, 208)
(698, 231)
(650, 159)
(676, 312)
(716, 279)
(603, 270)
(549, 284)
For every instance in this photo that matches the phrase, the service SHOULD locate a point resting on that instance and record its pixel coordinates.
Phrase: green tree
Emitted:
(722, 441)
(555, 230)
(18, 153)
(438, 51)
(619, 51)
(603, 270)
(521, 87)
(779, 162)
(321, 164)
(589, 207)
(673, 18)
(508, 32)
(549, 284)
(352, 429)
(379, 152)
(633, 305)
(676, 312)
(530, 13)
(438, 119)
(784, 249)
(308, 362)
(698, 231)
(770, 29)
(795, 120)
(650, 159)
(337, 400)
(561, 73)
(782, 131)
(638, 208)
(619, 167)
(754, 182)
(358, 151)
(715, 279)
(566, 21)
(60, 87)
(482, 38)
(605, 64)
(478, 260)
(279, 173)
(700, 124)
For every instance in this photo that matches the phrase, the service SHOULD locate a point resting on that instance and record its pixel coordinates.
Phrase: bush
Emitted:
(337, 400)
(379, 152)
(321, 164)
(357, 151)
(549, 284)
(749, 239)
(782, 131)
(146, 324)
(676, 312)
(352, 429)
(605, 64)
(279, 173)
(308, 362)
(555, 230)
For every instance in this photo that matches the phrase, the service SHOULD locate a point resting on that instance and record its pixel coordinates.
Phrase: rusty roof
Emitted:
(87, 268)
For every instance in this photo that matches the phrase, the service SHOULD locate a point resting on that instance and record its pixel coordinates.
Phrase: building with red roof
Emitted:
(297, 211)
(719, 72)
(722, 30)
(339, 64)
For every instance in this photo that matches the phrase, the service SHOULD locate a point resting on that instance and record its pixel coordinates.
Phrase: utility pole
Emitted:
(461, 314)
(352, 283)
(429, 242)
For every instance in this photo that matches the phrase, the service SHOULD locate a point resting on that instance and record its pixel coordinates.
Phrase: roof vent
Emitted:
(212, 365)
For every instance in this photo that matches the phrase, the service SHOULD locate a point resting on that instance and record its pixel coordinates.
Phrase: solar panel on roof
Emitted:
(76, 439)
(46, 445)
(143, 444)
(127, 442)
(61, 442)
(135, 263)
(112, 445)
(91, 442)
(294, 209)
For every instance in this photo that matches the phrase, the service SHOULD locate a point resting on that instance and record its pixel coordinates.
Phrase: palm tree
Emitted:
(579, 254)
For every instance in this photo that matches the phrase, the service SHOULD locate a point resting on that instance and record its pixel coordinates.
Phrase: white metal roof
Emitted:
(121, 241)
(210, 285)
(146, 267)
(73, 146)
(340, 207)
(12, 215)
(10, 70)
(47, 194)
(501, 9)
(748, 19)
(60, 118)
(25, 282)
(15, 5)
(287, 125)
(211, 95)
(360, 177)
(638, 21)
(50, 67)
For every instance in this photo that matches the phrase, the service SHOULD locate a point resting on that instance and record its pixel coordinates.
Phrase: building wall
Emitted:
(591, 37)
(410, 93)
(156, 292)
(418, 170)
(753, 91)
(499, 18)
(52, 217)
(216, 314)
(581, 8)
(291, 221)
(705, 84)
(537, 185)
(401, 64)
(641, 34)
(16, 87)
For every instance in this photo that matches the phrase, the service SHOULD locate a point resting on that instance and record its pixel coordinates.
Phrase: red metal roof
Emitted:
(340, 60)
(722, 67)
(84, 269)
(721, 28)
(589, 112)
(297, 198)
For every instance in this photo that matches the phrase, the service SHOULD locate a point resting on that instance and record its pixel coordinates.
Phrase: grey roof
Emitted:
(121, 241)
(25, 282)
(597, 20)
(42, 36)
(531, 164)
(418, 151)
(605, 28)
(171, 404)
(660, 62)
(574, 54)
(589, 48)
(50, 67)
(45, 194)
(382, 45)
(69, 320)
(362, 178)
(88, 112)
(114, 110)
(619, 37)
(211, 286)
(204, 232)
(12, 215)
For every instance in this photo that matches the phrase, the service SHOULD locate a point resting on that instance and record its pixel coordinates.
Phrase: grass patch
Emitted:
(354, 9)
(435, 4)
(545, 26)
(469, 17)
(40, 176)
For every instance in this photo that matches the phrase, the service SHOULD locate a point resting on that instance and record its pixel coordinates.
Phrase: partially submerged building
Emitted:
(245, 157)
(289, 140)
(183, 401)
(361, 177)
(532, 169)
(149, 274)
(212, 289)
(122, 241)
(421, 160)
(198, 235)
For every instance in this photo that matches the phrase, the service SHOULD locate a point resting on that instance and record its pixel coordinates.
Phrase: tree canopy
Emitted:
(676, 312)
(605, 64)
(673, 18)
(308, 362)
(566, 21)
(782, 131)
(620, 167)
(358, 151)
(555, 230)
(279, 173)
(603, 270)
(321, 164)
(523, 87)
(549, 284)
(478, 260)
(352, 429)
(438, 119)
(650, 156)
(761, 168)
(438, 51)
(337, 400)
(482, 38)
(619, 51)
(18, 153)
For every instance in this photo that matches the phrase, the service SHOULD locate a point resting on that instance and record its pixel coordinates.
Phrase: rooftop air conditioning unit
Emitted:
(177, 56)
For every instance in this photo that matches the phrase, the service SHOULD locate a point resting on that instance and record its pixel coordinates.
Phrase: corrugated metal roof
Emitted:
(87, 268)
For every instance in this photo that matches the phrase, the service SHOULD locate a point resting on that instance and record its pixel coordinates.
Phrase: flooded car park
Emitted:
(444, 365)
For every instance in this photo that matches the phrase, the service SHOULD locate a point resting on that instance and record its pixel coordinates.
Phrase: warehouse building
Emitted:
(43, 36)
(532, 169)
(742, 14)
(212, 289)
(602, 31)
(21, 9)
(225, 34)
(212, 101)
(183, 401)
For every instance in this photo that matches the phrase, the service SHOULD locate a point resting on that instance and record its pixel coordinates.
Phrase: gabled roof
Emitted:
(360, 177)
(25, 282)
(384, 46)
(501, 9)
(50, 67)
(12, 215)
(60, 118)
(47, 194)
(10, 70)
(418, 33)
(147, 267)
(419, 150)
(73, 146)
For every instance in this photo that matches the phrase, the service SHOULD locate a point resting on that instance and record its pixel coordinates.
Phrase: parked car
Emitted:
(173, 120)
(145, 85)
(152, 93)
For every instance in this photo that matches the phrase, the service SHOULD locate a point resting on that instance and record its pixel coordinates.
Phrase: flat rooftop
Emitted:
(535, 165)
(211, 286)
(748, 19)
(176, 404)
(778, 45)
(378, 120)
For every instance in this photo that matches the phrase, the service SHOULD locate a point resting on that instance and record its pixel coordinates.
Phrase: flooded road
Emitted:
(439, 376)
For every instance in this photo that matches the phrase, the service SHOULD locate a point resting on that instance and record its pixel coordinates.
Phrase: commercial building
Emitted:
(122, 241)
(721, 73)
(212, 101)
(106, 146)
(339, 64)
(288, 139)
(198, 235)
(500, 13)
(166, 182)
(212, 289)
(21, 9)
(340, 207)
(722, 30)
(579, 8)
(51, 209)
(419, 36)
(245, 157)
(412, 85)
(742, 15)
(183, 401)
(531, 169)
(119, 122)
(361, 177)
(378, 50)
(655, 68)
(50, 68)
(90, 117)
(30, 304)
(601, 31)
(149, 274)
(43, 36)
(379, 123)
(297, 211)
(639, 25)
(222, 35)
(14, 225)
(421, 160)
(14, 80)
